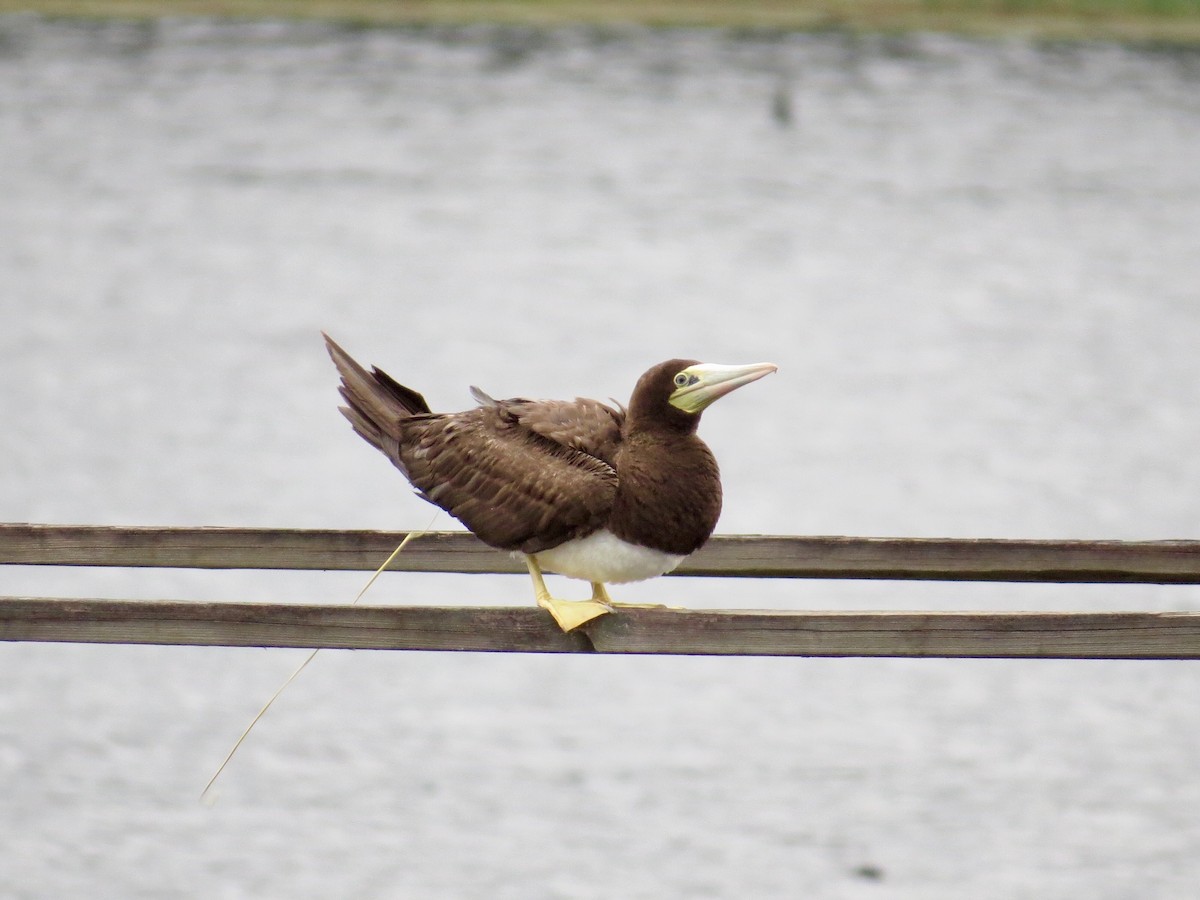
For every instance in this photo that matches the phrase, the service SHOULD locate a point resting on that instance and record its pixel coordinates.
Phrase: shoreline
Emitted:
(1136, 21)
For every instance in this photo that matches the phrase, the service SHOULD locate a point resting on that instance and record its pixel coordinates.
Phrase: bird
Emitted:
(608, 494)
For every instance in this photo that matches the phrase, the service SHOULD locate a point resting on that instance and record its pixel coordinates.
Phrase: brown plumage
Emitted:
(532, 476)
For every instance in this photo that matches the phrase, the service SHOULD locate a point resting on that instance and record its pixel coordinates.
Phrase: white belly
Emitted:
(603, 557)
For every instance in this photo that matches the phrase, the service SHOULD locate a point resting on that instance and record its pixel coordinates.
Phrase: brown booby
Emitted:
(583, 489)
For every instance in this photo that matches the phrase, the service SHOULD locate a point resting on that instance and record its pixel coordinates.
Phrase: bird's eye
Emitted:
(682, 380)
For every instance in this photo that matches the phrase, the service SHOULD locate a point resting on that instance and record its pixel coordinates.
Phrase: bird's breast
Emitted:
(668, 494)
(604, 557)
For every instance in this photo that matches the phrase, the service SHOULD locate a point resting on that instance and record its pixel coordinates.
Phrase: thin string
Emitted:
(206, 796)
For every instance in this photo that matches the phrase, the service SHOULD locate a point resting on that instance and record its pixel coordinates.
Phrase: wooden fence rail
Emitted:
(746, 556)
(1129, 635)
(1076, 635)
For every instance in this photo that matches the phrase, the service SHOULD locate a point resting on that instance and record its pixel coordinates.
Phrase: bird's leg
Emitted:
(569, 614)
(600, 594)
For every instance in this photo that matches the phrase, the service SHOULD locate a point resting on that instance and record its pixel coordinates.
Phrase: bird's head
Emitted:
(678, 390)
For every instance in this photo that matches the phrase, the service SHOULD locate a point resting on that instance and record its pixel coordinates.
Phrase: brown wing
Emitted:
(513, 487)
(581, 424)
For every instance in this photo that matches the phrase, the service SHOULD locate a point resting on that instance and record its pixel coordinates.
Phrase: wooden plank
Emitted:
(763, 556)
(1127, 635)
(245, 548)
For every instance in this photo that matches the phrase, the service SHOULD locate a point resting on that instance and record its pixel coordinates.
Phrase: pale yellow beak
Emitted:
(696, 387)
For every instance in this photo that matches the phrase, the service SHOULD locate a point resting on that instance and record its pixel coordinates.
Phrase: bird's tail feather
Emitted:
(376, 402)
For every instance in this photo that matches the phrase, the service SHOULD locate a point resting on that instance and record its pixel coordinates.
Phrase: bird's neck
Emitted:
(658, 418)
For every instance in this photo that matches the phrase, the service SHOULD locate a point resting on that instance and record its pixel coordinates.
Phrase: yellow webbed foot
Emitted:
(600, 595)
(569, 614)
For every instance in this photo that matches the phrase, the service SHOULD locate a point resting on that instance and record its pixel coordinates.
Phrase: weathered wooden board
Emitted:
(762, 556)
(1129, 635)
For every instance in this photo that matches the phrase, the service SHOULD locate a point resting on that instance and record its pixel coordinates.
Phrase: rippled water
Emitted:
(975, 264)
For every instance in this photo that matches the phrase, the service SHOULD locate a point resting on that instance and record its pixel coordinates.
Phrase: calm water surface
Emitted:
(975, 263)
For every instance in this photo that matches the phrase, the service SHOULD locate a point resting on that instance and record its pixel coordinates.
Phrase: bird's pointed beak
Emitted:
(699, 385)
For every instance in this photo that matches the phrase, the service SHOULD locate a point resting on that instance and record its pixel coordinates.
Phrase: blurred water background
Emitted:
(975, 263)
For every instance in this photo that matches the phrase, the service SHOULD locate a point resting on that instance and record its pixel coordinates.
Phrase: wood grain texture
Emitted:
(761, 556)
(1129, 635)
